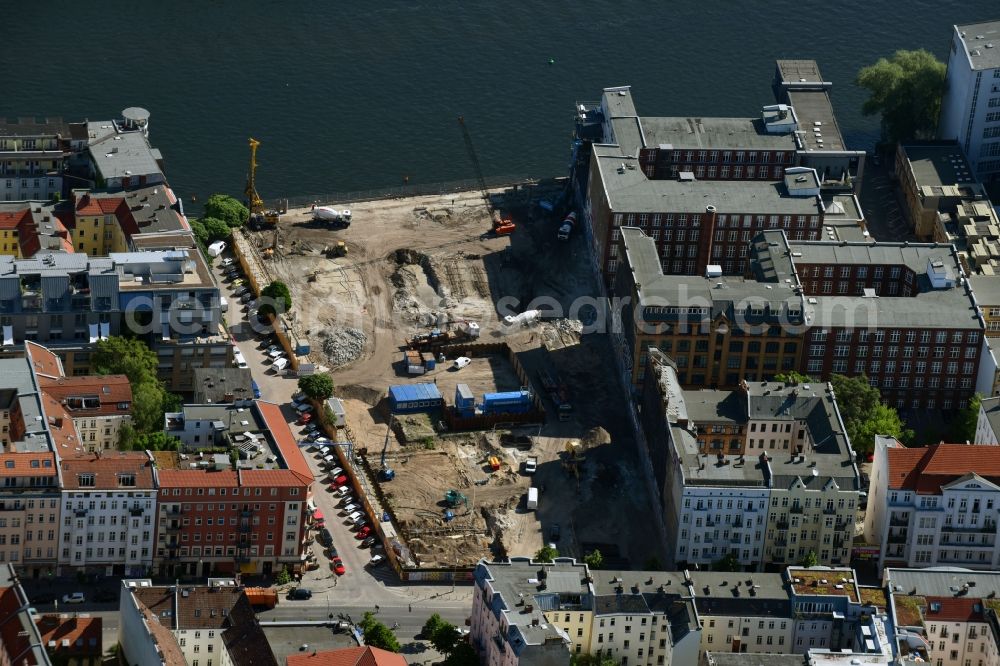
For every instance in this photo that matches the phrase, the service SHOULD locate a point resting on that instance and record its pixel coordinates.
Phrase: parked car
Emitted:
(242, 290)
(340, 480)
(338, 566)
(350, 508)
(369, 542)
(228, 261)
(238, 282)
(256, 389)
(275, 352)
(331, 552)
(363, 533)
(554, 532)
(353, 516)
(303, 408)
(376, 560)
(336, 471)
(304, 418)
(300, 593)
(298, 397)
(74, 598)
(461, 362)
(247, 297)
(344, 491)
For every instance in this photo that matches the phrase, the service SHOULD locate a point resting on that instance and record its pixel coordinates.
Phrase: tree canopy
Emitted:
(594, 559)
(728, 563)
(864, 413)
(793, 377)
(462, 655)
(591, 660)
(318, 386)
(907, 90)
(965, 423)
(130, 440)
(546, 554)
(132, 358)
(809, 559)
(275, 295)
(217, 229)
(377, 634)
(226, 208)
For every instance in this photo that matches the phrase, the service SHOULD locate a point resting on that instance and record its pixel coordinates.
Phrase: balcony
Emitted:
(830, 510)
(782, 524)
(988, 527)
(796, 508)
(841, 525)
(135, 512)
(175, 510)
(897, 538)
(781, 542)
(899, 522)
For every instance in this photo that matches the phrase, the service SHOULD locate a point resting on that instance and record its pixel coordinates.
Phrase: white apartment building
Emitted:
(203, 625)
(988, 424)
(528, 612)
(970, 110)
(944, 616)
(934, 506)
(108, 514)
(785, 483)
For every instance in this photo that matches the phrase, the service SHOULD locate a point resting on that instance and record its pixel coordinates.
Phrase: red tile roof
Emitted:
(354, 656)
(13, 639)
(61, 427)
(285, 440)
(106, 467)
(954, 609)
(71, 635)
(110, 390)
(926, 469)
(278, 478)
(197, 478)
(45, 362)
(88, 204)
(27, 464)
(10, 220)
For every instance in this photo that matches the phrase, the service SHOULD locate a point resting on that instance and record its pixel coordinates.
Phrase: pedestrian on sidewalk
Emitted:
(410, 606)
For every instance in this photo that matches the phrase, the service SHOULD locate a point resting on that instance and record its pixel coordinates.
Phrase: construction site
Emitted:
(368, 277)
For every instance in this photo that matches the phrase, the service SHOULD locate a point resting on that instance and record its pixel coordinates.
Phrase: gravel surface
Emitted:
(343, 345)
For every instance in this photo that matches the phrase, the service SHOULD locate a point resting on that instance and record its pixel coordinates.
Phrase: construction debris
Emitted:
(341, 345)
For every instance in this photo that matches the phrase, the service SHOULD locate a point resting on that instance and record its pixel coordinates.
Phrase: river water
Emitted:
(346, 96)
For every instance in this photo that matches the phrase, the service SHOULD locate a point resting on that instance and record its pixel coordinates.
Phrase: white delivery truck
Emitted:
(532, 502)
(279, 364)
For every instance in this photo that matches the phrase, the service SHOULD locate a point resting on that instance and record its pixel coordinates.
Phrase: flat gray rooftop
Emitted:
(977, 38)
(708, 405)
(124, 155)
(713, 134)
(935, 165)
(629, 190)
(807, 92)
(33, 127)
(17, 375)
(991, 408)
(755, 659)
(986, 288)
(944, 582)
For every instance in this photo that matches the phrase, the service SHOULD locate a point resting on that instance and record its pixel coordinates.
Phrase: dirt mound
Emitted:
(342, 344)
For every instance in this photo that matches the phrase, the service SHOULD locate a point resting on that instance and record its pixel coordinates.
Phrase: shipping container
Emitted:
(412, 398)
(509, 402)
(532, 502)
(465, 401)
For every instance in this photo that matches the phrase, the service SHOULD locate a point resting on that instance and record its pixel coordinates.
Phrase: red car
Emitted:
(340, 480)
(363, 532)
(305, 418)
(338, 566)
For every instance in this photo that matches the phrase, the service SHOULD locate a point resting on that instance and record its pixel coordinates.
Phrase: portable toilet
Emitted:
(465, 401)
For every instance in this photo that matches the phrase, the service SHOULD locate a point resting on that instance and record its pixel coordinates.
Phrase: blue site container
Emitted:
(465, 401)
(509, 402)
(413, 398)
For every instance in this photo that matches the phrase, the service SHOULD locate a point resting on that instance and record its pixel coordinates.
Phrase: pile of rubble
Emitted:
(341, 345)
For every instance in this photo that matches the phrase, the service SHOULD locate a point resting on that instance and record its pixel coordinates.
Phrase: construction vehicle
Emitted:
(338, 249)
(453, 498)
(259, 218)
(573, 457)
(566, 228)
(557, 391)
(501, 225)
(465, 330)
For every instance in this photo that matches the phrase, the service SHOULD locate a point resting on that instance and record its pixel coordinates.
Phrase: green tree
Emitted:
(155, 441)
(653, 564)
(433, 623)
(864, 414)
(318, 386)
(124, 356)
(809, 560)
(462, 655)
(377, 634)
(199, 231)
(907, 90)
(965, 423)
(216, 229)
(546, 554)
(591, 660)
(793, 377)
(126, 437)
(147, 406)
(283, 577)
(594, 559)
(728, 563)
(227, 209)
(274, 295)
(445, 638)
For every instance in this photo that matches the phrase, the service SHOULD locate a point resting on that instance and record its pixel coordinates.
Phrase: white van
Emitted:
(532, 502)
(239, 360)
(280, 364)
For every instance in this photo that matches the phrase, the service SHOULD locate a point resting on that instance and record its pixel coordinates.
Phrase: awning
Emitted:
(8, 335)
(105, 330)
(93, 332)
(317, 515)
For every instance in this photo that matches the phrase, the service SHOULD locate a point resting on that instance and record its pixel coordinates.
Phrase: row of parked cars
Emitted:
(348, 507)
